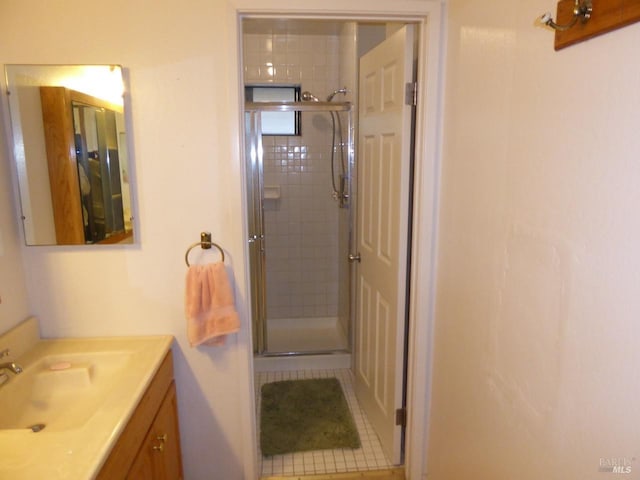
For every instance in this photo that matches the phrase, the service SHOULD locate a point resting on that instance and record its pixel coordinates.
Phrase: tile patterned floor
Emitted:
(368, 457)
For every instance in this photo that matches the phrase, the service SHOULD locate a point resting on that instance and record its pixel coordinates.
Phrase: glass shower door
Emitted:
(300, 217)
(253, 150)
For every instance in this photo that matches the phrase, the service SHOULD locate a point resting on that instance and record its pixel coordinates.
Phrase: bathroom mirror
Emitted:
(70, 149)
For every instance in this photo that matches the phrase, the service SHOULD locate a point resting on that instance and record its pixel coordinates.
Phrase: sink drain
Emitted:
(38, 427)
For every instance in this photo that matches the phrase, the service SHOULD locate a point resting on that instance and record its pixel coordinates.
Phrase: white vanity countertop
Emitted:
(102, 379)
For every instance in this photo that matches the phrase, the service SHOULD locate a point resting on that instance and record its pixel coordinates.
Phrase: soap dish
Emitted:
(271, 192)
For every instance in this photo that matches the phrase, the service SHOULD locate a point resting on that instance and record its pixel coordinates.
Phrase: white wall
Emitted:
(14, 305)
(538, 307)
(181, 63)
(30, 151)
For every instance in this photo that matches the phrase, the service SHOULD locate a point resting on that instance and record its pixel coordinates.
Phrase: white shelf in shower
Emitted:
(271, 192)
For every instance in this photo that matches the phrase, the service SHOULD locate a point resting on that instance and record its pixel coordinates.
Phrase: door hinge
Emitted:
(411, 94)
(401, 417)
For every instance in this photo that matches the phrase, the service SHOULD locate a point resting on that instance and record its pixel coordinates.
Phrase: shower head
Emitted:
(309, 97)
(343, 91)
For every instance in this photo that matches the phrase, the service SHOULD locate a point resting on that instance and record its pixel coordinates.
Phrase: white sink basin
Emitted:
(60, 392)
(80, 392)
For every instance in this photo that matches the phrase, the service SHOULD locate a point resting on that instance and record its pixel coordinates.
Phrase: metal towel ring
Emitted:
(204, 243)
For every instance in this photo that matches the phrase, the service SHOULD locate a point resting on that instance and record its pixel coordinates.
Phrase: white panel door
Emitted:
(382, 223)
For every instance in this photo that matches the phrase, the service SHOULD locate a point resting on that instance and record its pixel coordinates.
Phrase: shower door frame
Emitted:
(255, 220)
(254, 169)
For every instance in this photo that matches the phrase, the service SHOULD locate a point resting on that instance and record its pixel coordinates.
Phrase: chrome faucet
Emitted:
(14, 367)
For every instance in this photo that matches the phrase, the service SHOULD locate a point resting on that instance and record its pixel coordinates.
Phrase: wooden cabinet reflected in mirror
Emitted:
(85, 172)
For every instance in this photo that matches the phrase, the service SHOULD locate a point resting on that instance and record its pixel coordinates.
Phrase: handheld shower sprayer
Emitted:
(343, 91)
(307, 96)
(339, 186)
(340, 190)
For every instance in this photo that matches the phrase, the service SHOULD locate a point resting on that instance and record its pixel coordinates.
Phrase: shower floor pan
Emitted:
(312, 334)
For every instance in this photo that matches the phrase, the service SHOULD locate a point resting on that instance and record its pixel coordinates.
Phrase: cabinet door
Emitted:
(143, 466)
(167, 433)
(159, 457)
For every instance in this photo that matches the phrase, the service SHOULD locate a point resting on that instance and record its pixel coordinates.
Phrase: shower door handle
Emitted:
(258, 241)
(354, 258)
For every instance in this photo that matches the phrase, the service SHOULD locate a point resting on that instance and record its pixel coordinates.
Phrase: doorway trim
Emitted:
(428, 14)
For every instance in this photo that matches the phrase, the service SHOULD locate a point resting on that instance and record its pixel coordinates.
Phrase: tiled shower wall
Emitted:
(301, 227)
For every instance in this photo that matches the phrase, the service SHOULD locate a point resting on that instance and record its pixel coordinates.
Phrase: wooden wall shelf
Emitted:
(608, 15)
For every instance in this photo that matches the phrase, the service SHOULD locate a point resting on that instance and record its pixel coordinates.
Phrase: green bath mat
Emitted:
(301, 415)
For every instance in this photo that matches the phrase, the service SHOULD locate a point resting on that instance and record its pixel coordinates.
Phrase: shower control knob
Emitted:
(354, 258)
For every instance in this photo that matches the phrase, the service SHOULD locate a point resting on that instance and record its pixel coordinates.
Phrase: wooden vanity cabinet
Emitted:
(149, 446)
(159, 456)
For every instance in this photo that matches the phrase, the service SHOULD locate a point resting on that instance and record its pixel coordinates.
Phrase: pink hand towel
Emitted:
(209, 306)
